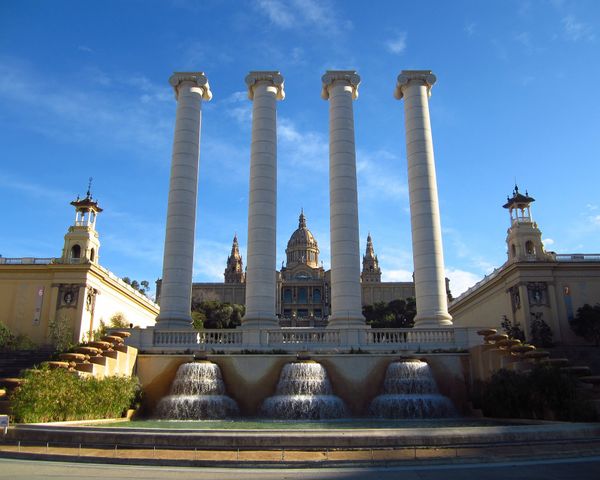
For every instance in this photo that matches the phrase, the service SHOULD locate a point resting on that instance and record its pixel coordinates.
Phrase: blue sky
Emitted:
(84, 92)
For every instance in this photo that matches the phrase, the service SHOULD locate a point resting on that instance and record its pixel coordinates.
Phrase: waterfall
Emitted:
(410, 391)
(197, 393)
(303, 393)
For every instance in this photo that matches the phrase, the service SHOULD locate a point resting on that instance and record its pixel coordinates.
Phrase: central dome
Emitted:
(302, 248)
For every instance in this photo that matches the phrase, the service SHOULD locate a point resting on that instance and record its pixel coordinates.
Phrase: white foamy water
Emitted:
(197, 393)
(410, 391)
(304, 393)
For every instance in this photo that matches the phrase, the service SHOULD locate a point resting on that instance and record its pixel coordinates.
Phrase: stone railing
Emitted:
(297, 339)
(305, 336)
(26, 261)
(394, 336)
(578, 257)
(176, 338)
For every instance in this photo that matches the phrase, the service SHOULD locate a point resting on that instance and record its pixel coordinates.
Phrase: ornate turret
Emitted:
(234, 273)
(371, 272)
(81, 241)
(302, 247)
(524, 238)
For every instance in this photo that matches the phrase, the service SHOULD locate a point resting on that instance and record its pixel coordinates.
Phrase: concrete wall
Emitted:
(249, 379)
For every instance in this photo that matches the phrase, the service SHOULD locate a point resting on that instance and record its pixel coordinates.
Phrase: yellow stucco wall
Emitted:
(20, 286)
(486, 304)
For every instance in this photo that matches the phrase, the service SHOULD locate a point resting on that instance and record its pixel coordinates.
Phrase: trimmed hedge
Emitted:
(58, 395)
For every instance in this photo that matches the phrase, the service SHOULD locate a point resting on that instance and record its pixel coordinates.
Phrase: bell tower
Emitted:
(524, 238)
(371, 273)
(234, 273)
(81, 241)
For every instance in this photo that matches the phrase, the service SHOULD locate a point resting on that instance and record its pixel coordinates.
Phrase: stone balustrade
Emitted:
(304, 338)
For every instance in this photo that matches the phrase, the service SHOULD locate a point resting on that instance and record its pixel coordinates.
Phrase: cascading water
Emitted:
(410, 391)
(304, 393)
(197, 393)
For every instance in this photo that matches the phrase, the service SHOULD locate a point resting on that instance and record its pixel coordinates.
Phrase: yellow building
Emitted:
(532, 284)
(73, 290)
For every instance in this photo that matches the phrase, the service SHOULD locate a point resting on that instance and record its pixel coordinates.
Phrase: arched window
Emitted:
(529, 248)
(513, 250)
(75, 251)
(92, 255)
(316, 295)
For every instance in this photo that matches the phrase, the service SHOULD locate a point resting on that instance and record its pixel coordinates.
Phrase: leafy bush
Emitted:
(543, 393)
(395, 314)
(586, 323)
(61, 333)
(215, 314)
(541, 333)
(10, 342)
(58, 395)
(512, 330)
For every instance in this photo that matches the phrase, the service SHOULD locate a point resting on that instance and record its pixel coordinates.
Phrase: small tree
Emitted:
(512, 330)
(118, 320)
(586, 323)
(541, 333)
(61, 333)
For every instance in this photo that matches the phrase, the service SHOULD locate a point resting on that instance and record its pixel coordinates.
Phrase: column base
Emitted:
(260, 323)
(165, 323)
(433, 321)
(347, 321)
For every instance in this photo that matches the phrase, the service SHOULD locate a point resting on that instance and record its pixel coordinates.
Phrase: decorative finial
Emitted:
(89, 194)
(302, 219)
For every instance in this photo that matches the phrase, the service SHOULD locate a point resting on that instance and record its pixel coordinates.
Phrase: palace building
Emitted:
(303, 285)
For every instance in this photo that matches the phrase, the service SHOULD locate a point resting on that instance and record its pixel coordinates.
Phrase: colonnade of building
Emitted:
(340, 89)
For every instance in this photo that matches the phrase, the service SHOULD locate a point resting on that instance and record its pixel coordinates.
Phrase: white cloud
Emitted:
(239, 107)
(461, 280)
(308, 149)
(210, 259)
(548, 241)
(302, 14)
(396, 275)
(471, 28)
(397, 45)
(575, 30)
(84, 48)
(379, 175)
(91, 116)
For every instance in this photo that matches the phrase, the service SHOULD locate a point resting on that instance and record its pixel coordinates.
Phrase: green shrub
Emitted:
(58, 395)
(10, 342)
(543, 393)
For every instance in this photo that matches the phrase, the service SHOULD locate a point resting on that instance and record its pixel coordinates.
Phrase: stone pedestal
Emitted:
(430, 285)
(176, 293)
(341, 88)
(264, 89)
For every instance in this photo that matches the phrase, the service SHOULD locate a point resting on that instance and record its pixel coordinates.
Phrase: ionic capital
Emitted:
(272, 78)
(346, 77)
(420, 77)
(198, 78)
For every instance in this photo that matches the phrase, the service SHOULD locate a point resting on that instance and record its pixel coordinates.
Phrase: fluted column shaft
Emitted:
(178, 260)
(264, 88)
(430, 285)
(341, 88)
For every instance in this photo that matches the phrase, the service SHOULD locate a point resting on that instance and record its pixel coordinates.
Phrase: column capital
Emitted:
(347, 77)
(195, 77)
(421, 77)
(272, 77)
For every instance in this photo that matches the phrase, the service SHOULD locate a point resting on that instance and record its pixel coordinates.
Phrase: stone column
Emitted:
(264, 89)
(428, 257)
(341, 88)
(176, 293)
